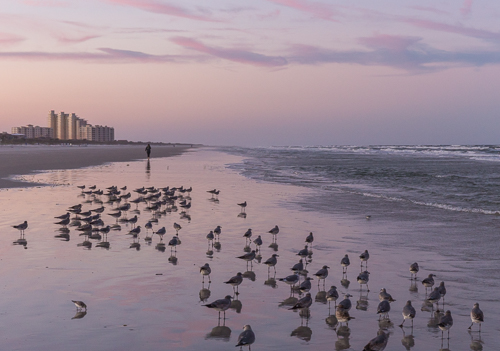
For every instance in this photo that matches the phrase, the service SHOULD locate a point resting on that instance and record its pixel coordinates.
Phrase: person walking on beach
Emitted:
(148, 150)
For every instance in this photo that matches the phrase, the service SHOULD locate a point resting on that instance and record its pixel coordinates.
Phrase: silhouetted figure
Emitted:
(148, 150)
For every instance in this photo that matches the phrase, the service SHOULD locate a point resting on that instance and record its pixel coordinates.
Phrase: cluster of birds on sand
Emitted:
(161, 201)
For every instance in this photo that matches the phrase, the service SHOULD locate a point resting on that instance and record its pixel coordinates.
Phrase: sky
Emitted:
(259, 72)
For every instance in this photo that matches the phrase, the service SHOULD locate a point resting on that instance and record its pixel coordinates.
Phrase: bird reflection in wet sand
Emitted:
(476, 344)
(236, 305)
(343, 334)
(408, 341)
(362, 303)
(271, 281)
(250, 275)
(220, 332)
(205, 294)
(23, 242)
(79, 315)
(332, 321)
(321, 297)
(62, 236)
(434, 320)
(413, 286)
(303, 332)
(345, 283)
(378, 343)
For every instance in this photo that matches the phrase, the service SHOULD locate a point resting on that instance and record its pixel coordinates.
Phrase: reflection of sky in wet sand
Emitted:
(138, 300)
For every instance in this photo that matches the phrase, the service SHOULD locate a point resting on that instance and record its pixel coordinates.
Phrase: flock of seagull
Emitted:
(160, 201)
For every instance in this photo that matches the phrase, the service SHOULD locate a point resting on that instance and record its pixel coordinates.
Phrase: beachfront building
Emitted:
(34, 132)
(72, 127)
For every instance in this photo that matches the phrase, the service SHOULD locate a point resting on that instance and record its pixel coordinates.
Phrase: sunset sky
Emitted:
(257, 73)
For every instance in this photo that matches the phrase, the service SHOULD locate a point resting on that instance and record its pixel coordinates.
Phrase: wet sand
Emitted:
(22, 160)
(148, 299)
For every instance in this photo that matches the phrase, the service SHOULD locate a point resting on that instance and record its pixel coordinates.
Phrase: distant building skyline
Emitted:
(65, 126)
(33, 132)
(71, 127)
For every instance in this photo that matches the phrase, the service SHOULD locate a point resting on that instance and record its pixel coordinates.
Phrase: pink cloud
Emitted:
(104, 55)
(235, 55)
(458, 29)
(68, 40)
(317, 9)
(163, 8)
(9, 39)
(430, 9)
(466, 9)
(389, 42)
(47, 3)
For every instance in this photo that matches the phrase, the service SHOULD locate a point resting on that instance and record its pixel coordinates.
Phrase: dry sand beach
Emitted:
(21, 159)
(146, 298)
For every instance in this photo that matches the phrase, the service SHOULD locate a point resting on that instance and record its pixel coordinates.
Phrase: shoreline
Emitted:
(29, 159)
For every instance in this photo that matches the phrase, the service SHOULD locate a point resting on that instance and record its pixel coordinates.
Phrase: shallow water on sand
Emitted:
(139, 299)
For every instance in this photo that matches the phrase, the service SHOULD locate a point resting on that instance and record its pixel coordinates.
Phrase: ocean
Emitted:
(433, 205)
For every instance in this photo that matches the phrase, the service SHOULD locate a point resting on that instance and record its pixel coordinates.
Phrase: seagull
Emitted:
(80, 305)
(298, 266)
(414, 270)
(206, 270)
(305, 286)
(344, 262)
(476, 315)
(210, 237)
(217, 230)
(332, 294)
(383, 308)
(322, 274)
(363, 278)
(177, 227)
(291, 279)
(304, 302)
(342, 315)
(249, 257)
(64, 222)
(408, 313)
(247, 337)
(378, 343)
(434, 296)
(235, 281)
(429, 281)
(221, 305)
(21, 227)
(135, 231)
(310, 238)
(442, 291)
(275, 230)
(271, 262)
(345, 304)
(64, 216)
(243, 205)
(384, 295)
(248, 234)
(445, 323)
(162, 231)
(257, 242)
(304, 252)
(364, 257)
